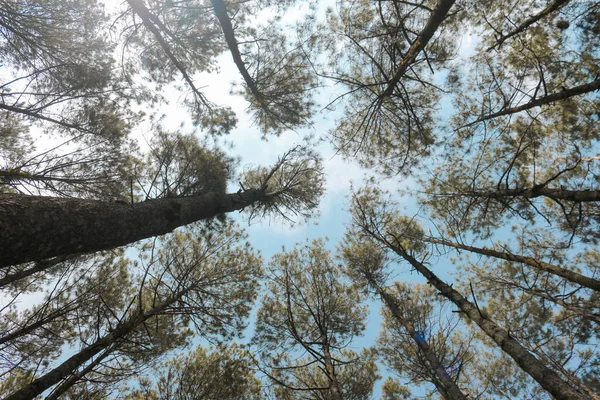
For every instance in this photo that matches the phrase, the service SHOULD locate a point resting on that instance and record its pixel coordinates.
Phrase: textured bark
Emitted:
(335, 388)
(75, 377)
(565, 273)
(54, 376)
(577, 196)
(435, 20)
(221, 12)
(545, 376)
(554, 6)
(551, 98)
(446, 386)
(36, 228)
(153, 24)
(37, 267)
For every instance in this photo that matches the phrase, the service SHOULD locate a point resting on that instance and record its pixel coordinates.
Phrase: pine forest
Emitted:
(285, 199)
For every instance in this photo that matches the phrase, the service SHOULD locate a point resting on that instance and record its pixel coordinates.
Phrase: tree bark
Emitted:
(36, 228)
(435, 20)
(554, 6)
(551, 98)
(565, 273)
(540, 372)
(335, 388)
(446, 386)
(577, 196)
(54, 376)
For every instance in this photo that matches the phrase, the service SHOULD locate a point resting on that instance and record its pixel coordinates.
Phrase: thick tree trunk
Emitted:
(36, 228)
(565, 273)
(545, 376)
(444, 383)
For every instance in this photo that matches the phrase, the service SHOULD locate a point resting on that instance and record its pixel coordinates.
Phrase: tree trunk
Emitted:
(565, 273)
(220, 10)
(551, 98)
(446, 386)
(54, 376)
(36, 228)
(436, 18)
(545, 376)
(76, 376)
(335, 388)
(577, 196)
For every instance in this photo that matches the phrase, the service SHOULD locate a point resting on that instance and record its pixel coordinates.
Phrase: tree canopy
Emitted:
(449, 149)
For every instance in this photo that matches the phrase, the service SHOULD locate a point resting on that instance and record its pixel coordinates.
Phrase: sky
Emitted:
(271, 236)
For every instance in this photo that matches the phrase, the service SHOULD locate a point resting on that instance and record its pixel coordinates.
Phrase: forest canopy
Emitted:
(436, 161)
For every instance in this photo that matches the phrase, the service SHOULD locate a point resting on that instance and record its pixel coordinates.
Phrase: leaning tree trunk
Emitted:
(73, 363)
(444, 383)
(35, 227)
(539, 371)
(565, 273)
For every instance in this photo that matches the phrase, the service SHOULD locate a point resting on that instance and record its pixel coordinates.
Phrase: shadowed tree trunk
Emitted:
(54, 376)
(539, 371)
(565, 273)
(444, 383)
(37, 228)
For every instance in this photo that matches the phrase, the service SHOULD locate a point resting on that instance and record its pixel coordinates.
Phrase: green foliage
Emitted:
(224, 372)
(427, 314)
(366, 43)
(179, 165)
(291, 187)
(308, 317)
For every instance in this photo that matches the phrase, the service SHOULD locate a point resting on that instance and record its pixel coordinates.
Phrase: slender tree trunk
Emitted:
(565, 273)
(154, 25)
(545, 376)
(551, 98)
(221, 12)
(446, 386)
(554, 6)
(36, 228)
(39, 266)
(577, 196)
(335, 388)
(436, 18)
(73, 363)
(76, 377)
(38, 324)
